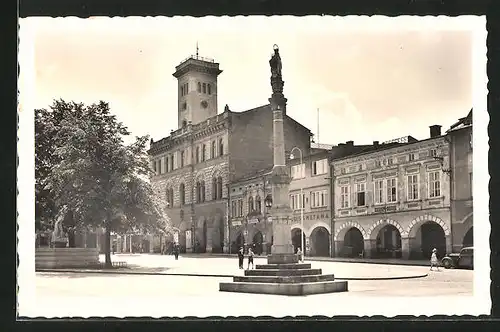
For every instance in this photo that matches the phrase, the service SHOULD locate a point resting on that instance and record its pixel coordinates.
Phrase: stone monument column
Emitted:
(281, 213)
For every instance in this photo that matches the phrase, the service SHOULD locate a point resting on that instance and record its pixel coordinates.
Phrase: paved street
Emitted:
(86, 294)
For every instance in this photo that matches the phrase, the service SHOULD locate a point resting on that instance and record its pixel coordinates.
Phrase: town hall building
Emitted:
(195, 165)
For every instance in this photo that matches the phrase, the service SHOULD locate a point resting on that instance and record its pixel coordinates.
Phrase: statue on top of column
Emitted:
(275, 63)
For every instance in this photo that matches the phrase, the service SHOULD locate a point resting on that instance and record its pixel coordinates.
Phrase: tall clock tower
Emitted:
(197, 89)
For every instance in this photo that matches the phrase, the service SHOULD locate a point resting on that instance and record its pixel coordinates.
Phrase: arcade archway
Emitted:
(429, 236)
(296, 233)
(353, 243)
(388, 243)
(257, 241)
(320, 242)
(468, 238)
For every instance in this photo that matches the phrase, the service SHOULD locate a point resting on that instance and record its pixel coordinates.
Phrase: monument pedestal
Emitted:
(292, 279)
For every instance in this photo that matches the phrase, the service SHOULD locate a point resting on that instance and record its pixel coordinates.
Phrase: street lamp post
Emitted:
(301, 204)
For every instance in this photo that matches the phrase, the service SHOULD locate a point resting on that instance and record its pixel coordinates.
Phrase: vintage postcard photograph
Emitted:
(253, 166)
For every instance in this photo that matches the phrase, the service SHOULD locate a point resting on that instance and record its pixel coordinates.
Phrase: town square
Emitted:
(290, 203)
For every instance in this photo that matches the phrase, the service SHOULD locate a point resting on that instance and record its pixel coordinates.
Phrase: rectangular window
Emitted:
(172, 162)
(204, 88)
(233, 208)
(389, 161)
(320, 167)
(209, 88)
(377, 163)
(342, 170)
(182, 158)
(199, 87)
(391, 190)
(159, 166)
(318, 198)
(298, 171)
(344, 197)
(360, 167)
(203, 152)
(412, 187)
(434, 184)
(240, 208)
(197, 154)
(379, 191)
(296, 203)
(411, 157)
(212, 150)
(360, 194)
(433, 153)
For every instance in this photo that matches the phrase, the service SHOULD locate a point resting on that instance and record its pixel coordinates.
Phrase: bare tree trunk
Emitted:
(107, 248)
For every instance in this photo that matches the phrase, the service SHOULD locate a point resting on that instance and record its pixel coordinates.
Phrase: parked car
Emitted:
(463, 259)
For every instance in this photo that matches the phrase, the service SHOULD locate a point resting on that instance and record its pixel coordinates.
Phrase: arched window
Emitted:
(182, 194)
(170, 197)
(198, 192)
(214, 188)
(212, 150)
(258, 206)
(199, 87)
(221, 147)
(209, 89)
(219, 187)
(202, 194)
(203, 152)
(250, 204)
(197, 154)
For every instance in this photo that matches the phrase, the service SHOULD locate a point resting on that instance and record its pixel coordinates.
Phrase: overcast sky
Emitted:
(369, 83)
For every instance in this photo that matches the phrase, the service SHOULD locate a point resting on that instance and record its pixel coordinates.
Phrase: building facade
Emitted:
(195, 165)
(460, 137)
(248, 215)
(394, 202)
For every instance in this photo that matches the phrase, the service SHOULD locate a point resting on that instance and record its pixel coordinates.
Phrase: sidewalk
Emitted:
(394, 261)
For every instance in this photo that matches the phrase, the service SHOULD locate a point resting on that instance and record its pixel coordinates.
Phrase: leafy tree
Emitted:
(47, 125)
(100, 181)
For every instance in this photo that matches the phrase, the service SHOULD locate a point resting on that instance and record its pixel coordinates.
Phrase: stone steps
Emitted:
(292, 289)
(282, 272)
(286, 279)
(283, 266)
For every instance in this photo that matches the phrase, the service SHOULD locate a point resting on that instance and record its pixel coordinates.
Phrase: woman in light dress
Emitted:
(434, 259)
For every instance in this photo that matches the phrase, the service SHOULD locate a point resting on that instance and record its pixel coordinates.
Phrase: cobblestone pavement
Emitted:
(85, 295)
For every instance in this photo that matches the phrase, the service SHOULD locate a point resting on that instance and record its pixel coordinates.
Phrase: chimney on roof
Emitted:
(375, 143)
(349, 143)
(435, 131)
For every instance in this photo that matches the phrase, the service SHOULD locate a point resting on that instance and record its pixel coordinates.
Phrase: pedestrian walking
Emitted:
(240, 258)
(176, 251)
(434, 259)
(299, 254)
(250, 258)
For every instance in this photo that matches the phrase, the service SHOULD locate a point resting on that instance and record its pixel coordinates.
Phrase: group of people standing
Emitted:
(241, 257)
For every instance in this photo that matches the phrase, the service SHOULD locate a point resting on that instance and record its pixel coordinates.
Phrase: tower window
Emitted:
(209, 89)
(204, 88)
(221, 147)
(199, 87)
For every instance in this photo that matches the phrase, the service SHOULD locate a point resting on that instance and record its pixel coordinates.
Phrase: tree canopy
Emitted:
(84, 168)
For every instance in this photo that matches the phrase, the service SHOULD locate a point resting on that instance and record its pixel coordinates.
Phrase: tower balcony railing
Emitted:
(197, 57)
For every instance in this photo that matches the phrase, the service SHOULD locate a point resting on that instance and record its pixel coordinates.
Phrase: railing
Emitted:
(197, 57)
